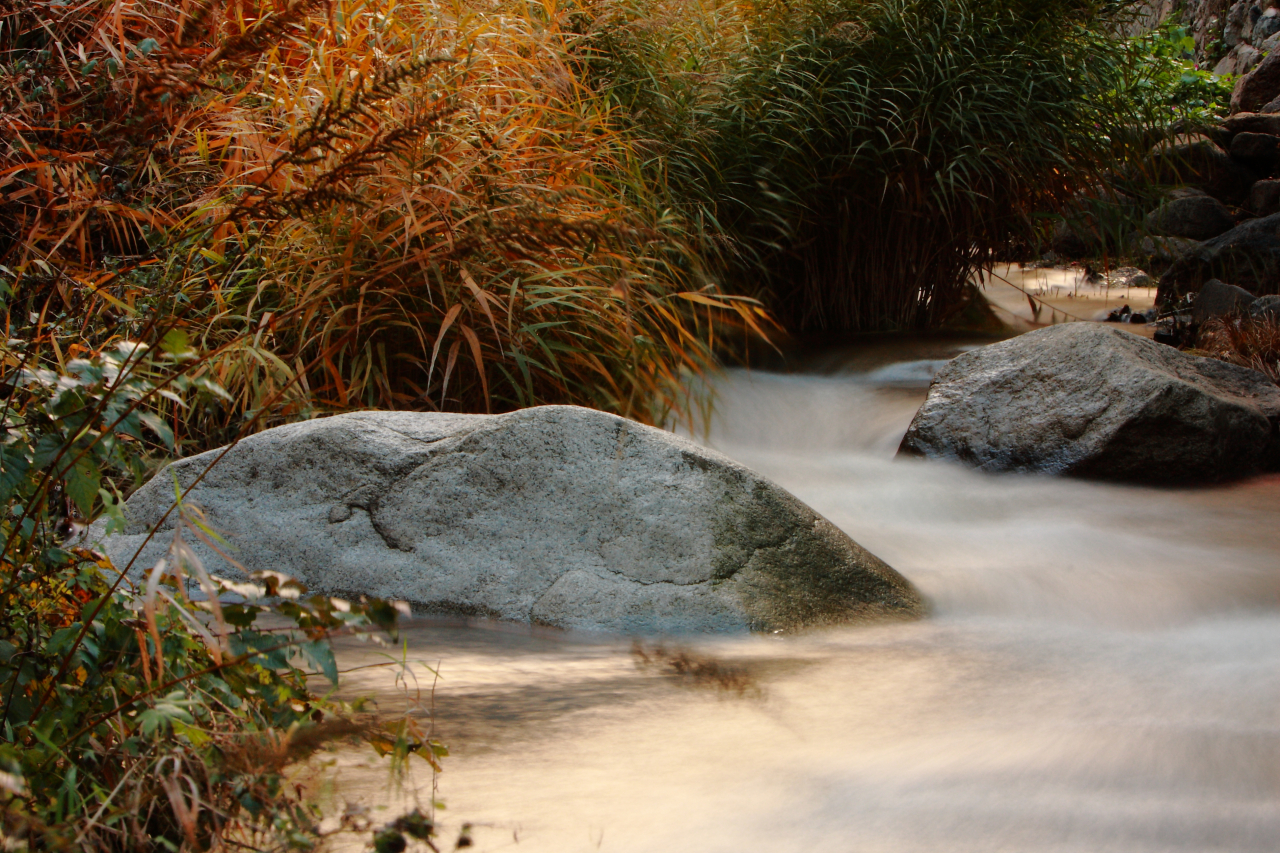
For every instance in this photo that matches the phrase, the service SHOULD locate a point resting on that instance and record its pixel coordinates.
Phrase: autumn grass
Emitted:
(1252, 342)
(358, 204)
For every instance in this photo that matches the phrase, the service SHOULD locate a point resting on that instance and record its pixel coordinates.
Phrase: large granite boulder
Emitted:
(555, 515)
(1247, 255)
(1094, 401)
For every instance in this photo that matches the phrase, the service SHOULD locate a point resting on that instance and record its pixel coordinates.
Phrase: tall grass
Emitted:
(856, 162)
(362, 203)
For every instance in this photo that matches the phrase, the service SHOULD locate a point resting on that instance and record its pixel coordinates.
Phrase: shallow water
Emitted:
(1101, 670)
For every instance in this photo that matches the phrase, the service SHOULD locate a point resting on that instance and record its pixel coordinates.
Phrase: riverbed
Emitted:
(1100, 670)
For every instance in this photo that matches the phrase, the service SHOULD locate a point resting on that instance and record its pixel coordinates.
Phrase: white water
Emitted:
(1100, 672)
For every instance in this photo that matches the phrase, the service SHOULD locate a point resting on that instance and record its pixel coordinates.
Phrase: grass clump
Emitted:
(355, 203)
(1252, 342)
(854, 163)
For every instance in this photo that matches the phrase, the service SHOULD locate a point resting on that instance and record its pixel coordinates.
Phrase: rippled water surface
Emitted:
(1100, 672)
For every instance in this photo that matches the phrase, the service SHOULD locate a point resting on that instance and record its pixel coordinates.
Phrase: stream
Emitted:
(1100, 670)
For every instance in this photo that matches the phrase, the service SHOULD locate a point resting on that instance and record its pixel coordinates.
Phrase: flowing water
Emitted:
(1100, 670)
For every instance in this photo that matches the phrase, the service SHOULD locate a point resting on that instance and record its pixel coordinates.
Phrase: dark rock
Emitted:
(1248, 254)
(1196, 217)
(1196, 160)
(1256, 150)
(1253, 123)
(1126, 277)
(1273, 107)
(1120, 315)
(1091, 400)
(1164, 250)
(1265, 307)
(1264, 198)
(1264, 28)
(1233, 30)
(1219, 299)
(1258, 87)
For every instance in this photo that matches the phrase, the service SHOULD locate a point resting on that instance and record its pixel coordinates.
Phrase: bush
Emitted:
(855, 163)
(422, 209)
(141, 718)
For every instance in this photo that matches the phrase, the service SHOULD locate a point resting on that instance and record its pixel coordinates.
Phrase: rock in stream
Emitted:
(555, 515)
(1094, 401)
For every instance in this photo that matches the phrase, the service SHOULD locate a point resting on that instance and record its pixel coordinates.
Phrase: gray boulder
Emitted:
(1265, 308)
(555, 515)
(1238, 27)
(1196, 217)
(1093, 401)
(1248, 255)
(1241, 59)
(1218, 299)
(1160, 249)
(1264, 29)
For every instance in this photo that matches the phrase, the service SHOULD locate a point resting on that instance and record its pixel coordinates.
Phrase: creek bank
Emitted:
(1089, 400)
(556, 515)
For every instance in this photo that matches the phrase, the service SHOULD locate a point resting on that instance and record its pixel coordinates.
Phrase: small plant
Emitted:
(696, 670)
(1173, 83)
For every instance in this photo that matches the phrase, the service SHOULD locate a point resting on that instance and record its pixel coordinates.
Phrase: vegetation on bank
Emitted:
(853, 163)
(220, 216)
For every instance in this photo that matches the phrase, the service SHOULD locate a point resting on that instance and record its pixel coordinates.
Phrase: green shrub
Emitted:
(146, 718)
(856, 162)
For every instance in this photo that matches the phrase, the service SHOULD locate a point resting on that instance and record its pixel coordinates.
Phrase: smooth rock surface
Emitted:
(1089, 400)
(1252, 123)
(556, 515)
(1264, 198)
(1257, 150)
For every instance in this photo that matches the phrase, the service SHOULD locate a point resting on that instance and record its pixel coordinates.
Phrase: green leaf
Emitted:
(320, 655)
(83, 482)
(175, 341)
(159, 427)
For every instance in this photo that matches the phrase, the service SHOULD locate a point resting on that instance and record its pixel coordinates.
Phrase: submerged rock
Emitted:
(556, 515)
(1094, 401)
